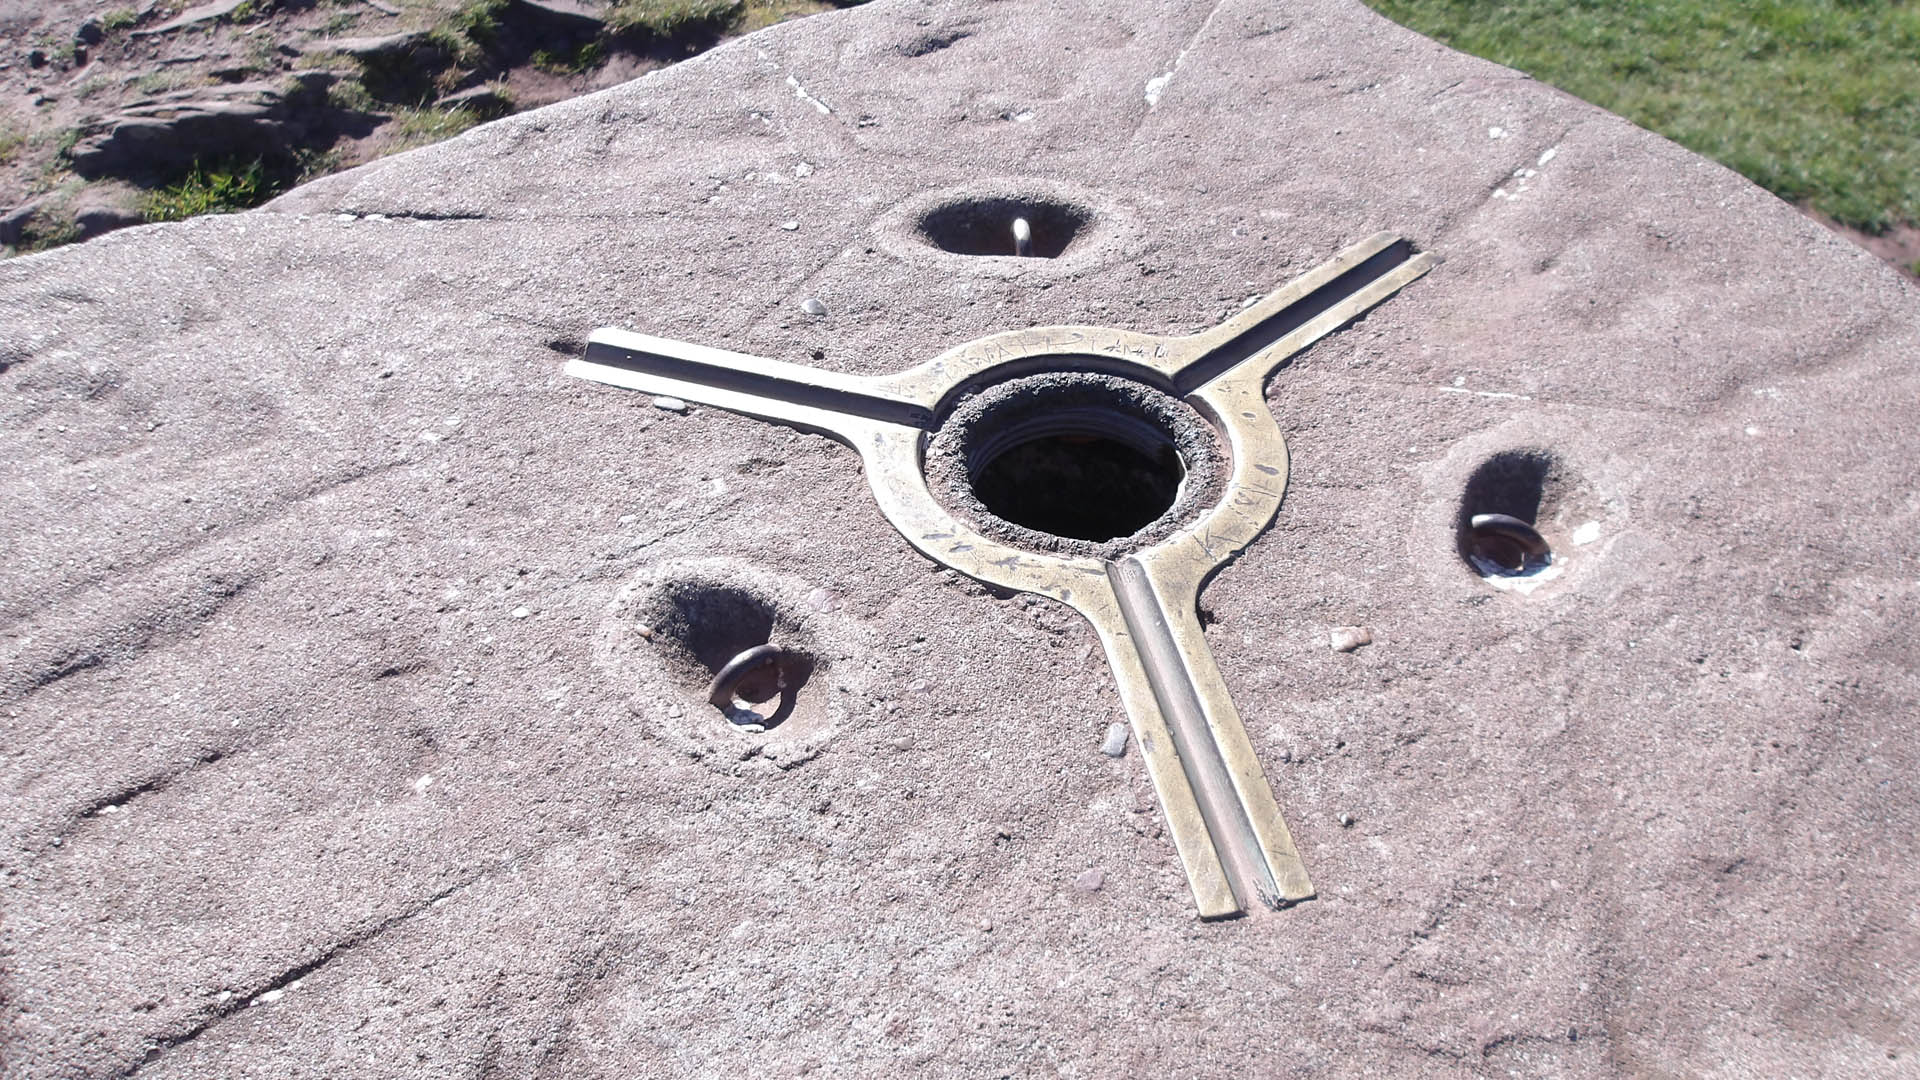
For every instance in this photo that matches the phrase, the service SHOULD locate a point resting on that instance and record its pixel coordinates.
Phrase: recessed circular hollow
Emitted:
(726, 633)
(1084, 474)
(993, 225)
(751, 689)
(1497, 532)
(1071, 461)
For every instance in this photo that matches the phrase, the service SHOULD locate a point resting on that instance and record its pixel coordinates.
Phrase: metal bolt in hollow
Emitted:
(1508, 543)
(1022, 238)
(723, 690)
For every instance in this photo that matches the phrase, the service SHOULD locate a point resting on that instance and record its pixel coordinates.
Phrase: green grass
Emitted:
(680, 20)
(119, 19)
(473, 27)
(479, 20)
(54, 148)
(418, 127)
(10, 143)
(674, 18)
(764, 13)
(217, 189)
(1815, 100)
(578, 61)
(62, 51)
(251, 11)
(350, 95)
(48, 229)
(159, 82)
(467, 32)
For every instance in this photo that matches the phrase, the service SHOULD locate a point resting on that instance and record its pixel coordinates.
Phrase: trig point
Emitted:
(971, 541)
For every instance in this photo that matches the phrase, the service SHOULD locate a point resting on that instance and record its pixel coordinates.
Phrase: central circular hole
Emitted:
(1025, 227)
(1067, 460)
(1102, 476)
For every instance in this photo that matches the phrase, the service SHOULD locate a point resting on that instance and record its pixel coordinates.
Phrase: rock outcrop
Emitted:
(356, 658)
(174, 130)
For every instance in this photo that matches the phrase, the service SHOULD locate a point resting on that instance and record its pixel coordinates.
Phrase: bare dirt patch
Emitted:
(1898, 246)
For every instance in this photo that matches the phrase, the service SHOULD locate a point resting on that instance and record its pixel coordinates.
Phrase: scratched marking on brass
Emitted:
(1221, 813)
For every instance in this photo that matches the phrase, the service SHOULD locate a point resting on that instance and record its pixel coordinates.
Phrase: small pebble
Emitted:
(645, 631)
(1091, 880)
(521, 613)
(1345, 819)
(789, 225)
(1349, 638)
(670, 404)
(1115, 744)
(813, 306)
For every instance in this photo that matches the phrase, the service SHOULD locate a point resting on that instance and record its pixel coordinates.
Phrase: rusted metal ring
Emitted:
(727, 679)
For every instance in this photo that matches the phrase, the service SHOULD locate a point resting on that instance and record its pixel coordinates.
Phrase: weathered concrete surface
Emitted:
(332, 747)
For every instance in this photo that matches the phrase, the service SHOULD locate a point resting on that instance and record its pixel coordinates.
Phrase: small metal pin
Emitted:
(1022, 238)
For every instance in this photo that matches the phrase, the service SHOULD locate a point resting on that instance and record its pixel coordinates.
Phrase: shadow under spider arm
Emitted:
(1255, 342)
(843, 406)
